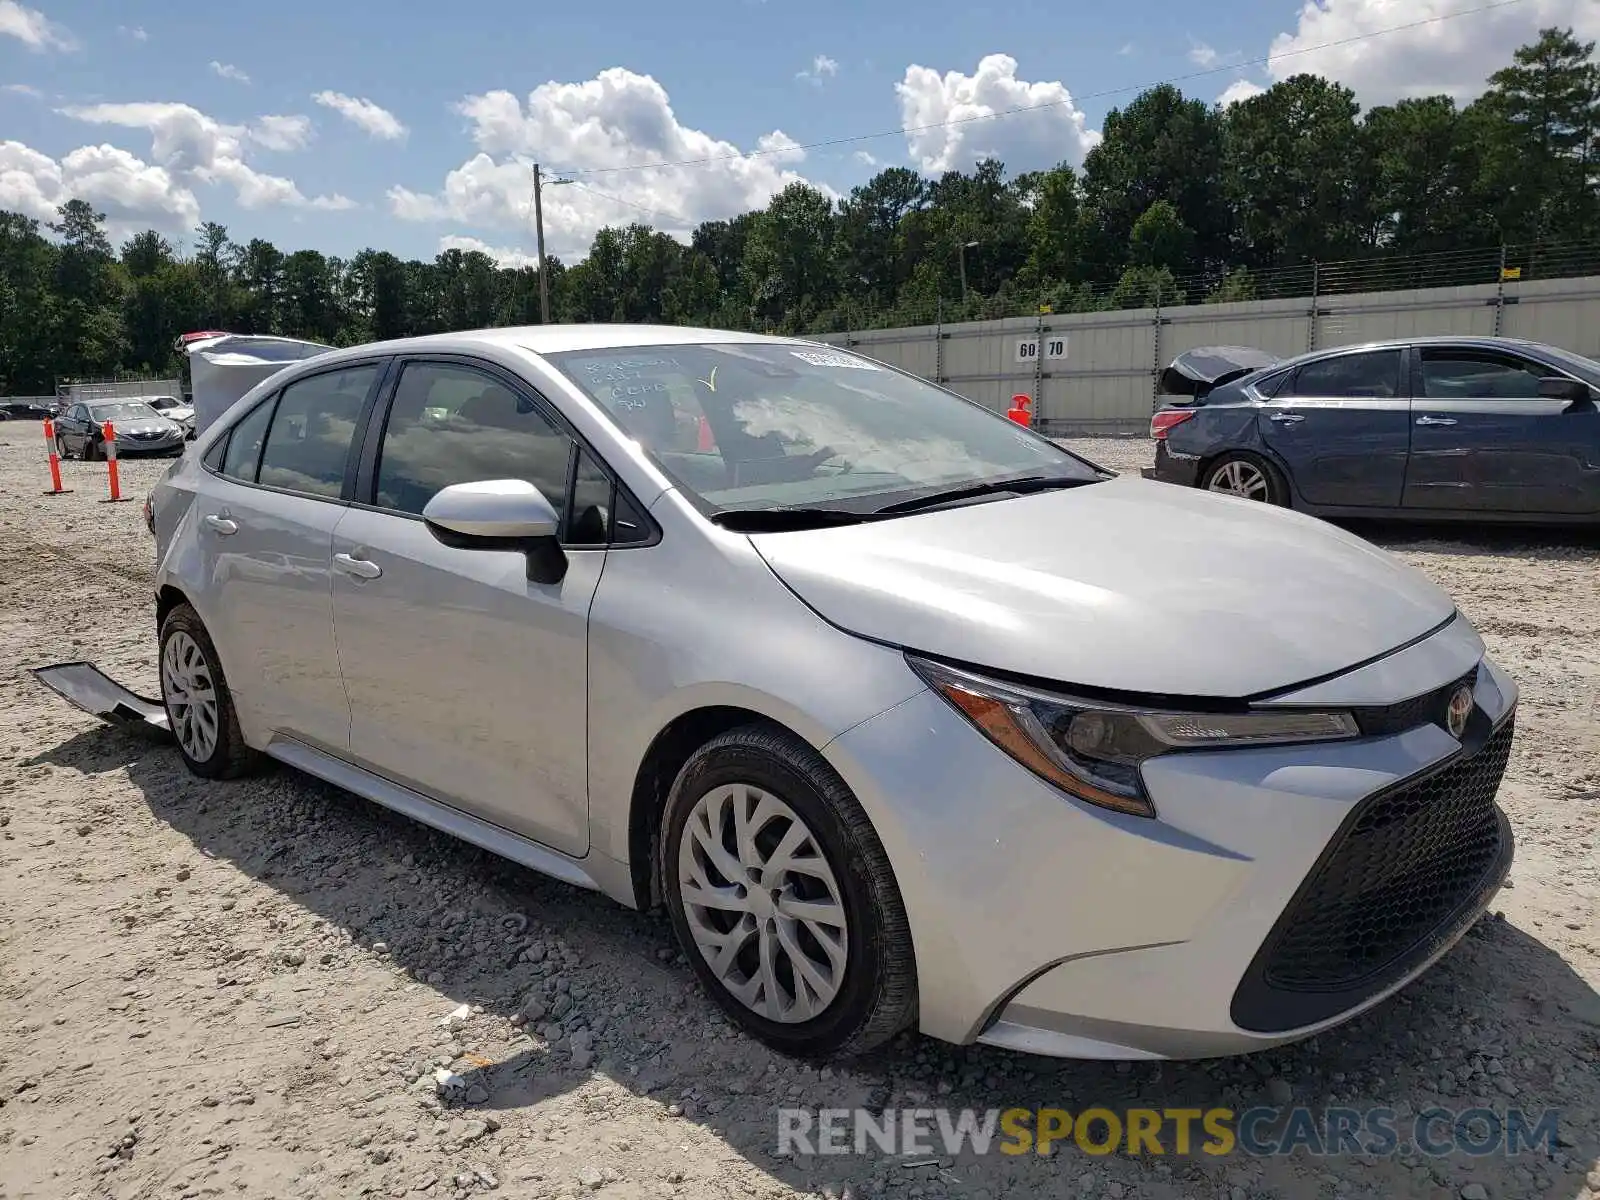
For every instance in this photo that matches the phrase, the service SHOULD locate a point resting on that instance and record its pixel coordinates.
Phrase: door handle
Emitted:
(222, 525)
(1287, 418)
(361, 568)
(1435, 421)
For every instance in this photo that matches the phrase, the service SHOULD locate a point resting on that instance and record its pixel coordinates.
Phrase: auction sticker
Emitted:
(820, 359)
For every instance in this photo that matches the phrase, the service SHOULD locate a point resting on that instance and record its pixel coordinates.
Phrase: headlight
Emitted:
(1093, 750)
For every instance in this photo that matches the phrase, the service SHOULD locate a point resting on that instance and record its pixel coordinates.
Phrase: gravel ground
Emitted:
(247, 989)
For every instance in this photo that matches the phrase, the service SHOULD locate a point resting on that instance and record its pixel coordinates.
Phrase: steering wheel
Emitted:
(811, 462)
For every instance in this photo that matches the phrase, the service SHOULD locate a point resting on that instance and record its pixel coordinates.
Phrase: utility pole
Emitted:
(962, 254)
(538, 225)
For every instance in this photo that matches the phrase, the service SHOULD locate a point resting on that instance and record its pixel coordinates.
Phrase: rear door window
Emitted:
(313, 427)
(1374, 375)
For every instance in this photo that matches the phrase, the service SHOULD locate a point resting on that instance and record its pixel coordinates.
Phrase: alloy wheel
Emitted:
(1240, 478)
(762, 903)
(191, 696)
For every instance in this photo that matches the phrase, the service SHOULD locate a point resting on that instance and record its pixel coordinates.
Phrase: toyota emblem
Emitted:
(1455, 716)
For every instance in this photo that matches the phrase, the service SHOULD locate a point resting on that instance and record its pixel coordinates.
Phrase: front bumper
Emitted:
(161, 445)
(1050, 926)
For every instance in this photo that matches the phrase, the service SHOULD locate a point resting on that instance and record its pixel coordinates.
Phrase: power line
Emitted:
(1027, 108)
(654, 212)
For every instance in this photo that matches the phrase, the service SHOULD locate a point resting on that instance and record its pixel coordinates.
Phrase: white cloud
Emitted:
(364, 114)
(779, 147)
(1202, 55)
(1057, 130)
(281, 132)
(228, 71)
(22, 89)
(1455, 55)
(1239, 89)
(618, 118)
(196, 148)
(133, 194)
(33, 29)
(136, 32)
(822, 68)
(502, 256)
(866, 159)
(1127, 49)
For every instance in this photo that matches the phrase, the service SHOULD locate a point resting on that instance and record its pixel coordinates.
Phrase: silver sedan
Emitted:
(908, 716)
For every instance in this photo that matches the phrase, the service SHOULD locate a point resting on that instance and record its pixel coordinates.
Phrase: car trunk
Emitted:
(1195, 374)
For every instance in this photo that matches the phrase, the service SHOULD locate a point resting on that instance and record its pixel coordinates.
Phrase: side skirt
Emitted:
(430, 812)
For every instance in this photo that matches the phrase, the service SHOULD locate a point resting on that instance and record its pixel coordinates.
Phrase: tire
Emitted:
(186, 658)
(873, 971)
(90, 451)
(1247, 475)
(61, 448)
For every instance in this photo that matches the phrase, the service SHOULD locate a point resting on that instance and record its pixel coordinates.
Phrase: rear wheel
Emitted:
(91, 450)
(199, 705)
(1248, 476)
(783, 898)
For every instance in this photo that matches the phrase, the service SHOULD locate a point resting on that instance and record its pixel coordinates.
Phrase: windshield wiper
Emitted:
(995, 487)
(782, 520)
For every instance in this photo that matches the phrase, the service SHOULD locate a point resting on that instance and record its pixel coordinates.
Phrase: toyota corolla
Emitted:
(908, 716)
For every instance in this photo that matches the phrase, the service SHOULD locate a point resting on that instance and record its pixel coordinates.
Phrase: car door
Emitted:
(467, 681)
(1484, 440)
(1341, 424)
(75, 434)
(266, 511)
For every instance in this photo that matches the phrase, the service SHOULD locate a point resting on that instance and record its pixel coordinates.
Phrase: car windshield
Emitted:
(770, 425)
(1588, 368)
(127, 410)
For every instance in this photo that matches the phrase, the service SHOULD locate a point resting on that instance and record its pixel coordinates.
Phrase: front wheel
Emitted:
(1248, 476)
(199, 704)
(783, 898)
(61, 448)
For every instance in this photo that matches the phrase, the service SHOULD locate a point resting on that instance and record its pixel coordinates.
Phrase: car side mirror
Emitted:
(500, 514)
(1559, 387)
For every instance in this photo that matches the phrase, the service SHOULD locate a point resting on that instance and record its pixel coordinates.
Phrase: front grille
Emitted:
(1375, 721)
(1408, 869)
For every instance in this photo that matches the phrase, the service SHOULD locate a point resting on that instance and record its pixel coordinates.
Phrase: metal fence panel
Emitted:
(1562, 312)
(1096, 372)
(116, 389)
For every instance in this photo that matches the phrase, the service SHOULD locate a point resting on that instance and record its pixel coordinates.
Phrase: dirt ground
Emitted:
(247, 989)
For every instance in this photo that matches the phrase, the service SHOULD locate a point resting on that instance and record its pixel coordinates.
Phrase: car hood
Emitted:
(145, 425)
(1128, 585)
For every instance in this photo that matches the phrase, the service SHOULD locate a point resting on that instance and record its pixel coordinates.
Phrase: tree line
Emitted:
(1181, 202)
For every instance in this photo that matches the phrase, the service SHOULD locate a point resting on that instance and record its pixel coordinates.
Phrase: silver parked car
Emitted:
(174, 409)
(906, 714)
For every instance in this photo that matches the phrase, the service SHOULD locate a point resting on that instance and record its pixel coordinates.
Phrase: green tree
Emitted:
(1160, 239)
(1541, 117)
(1294, 173)
(787, 258)
(1162, 147)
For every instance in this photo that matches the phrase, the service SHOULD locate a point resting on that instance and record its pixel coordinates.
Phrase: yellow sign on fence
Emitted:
(1510, 272)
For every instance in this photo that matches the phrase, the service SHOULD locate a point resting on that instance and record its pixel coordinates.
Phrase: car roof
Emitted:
(550, 339)
(1479, 342)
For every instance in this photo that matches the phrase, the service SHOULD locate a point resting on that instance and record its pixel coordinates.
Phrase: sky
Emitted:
(412, 127)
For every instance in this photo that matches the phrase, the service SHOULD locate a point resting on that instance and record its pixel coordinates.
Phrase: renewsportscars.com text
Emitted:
(1216, 1132)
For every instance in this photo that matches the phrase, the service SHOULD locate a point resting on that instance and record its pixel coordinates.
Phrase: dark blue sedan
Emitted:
(1491, 429)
